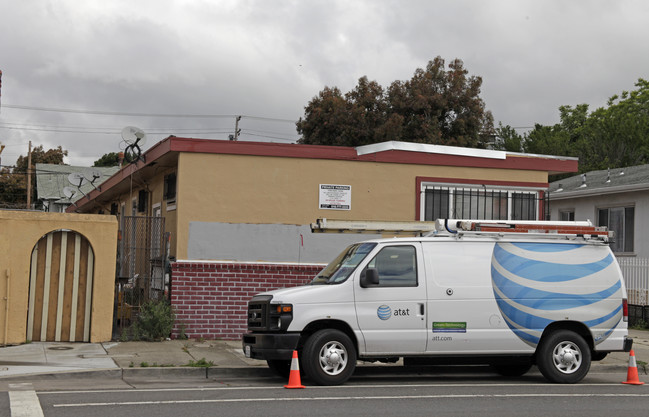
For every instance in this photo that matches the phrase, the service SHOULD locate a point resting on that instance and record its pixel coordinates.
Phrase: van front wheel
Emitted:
(329, 357)
(563, 357)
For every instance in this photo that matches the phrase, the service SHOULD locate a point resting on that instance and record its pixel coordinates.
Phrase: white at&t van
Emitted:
(553, 297)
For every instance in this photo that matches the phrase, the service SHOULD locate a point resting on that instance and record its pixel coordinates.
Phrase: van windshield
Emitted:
(340, 268)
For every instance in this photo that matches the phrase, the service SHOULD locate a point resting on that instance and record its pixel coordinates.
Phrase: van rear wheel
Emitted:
(329, 357)
(563, 357)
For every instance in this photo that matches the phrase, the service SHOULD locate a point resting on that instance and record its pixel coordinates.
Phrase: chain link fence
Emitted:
(141, 265)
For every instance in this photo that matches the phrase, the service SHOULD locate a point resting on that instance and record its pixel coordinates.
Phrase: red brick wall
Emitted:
(210, 299)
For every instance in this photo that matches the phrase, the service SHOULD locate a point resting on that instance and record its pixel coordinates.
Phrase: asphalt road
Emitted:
(451, 394)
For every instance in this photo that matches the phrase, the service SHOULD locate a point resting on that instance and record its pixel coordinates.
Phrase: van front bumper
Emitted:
(270, 346)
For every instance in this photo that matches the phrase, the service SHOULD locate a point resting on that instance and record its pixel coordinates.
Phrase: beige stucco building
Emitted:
(254, 201)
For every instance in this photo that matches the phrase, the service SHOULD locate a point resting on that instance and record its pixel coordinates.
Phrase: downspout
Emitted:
(6, 308)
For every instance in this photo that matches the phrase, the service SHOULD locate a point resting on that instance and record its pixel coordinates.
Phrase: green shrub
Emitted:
(181, 334)
(155, 321)
(201, 363)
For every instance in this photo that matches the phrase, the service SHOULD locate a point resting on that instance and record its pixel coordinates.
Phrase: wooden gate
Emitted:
(60, 288)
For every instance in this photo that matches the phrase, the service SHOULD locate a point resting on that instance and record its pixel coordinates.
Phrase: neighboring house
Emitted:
(616, 198)
(238, 214)
(619, 199)
(55, 189)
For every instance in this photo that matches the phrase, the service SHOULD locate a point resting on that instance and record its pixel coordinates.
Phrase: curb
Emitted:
(150, 372)
(114, 373)
(263, 372)
(177, 372)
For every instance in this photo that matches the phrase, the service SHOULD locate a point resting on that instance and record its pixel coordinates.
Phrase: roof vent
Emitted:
(583, 181)
(558, 190)
(608, 176)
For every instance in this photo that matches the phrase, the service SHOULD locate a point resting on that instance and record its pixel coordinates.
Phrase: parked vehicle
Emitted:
(473, 292)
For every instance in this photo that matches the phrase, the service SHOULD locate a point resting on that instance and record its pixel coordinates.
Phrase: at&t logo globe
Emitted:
(384, 312)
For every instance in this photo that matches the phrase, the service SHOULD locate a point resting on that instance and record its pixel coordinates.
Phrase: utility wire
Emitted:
(270, 137)
(114, 113)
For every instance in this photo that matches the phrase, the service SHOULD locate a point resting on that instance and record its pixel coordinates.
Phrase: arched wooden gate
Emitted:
(60, 288)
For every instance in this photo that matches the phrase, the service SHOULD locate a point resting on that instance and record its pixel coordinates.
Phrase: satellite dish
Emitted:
(134, 135)
(77, 179)
(69, 192)
(92, 175)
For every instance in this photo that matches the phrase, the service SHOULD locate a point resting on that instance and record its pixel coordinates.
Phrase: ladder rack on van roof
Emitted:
(467, 227)
(583, 227)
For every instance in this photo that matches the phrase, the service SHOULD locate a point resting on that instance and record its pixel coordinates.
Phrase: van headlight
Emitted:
(281, 316)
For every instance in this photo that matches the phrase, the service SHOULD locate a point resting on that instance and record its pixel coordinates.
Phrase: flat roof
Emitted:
(385, 152)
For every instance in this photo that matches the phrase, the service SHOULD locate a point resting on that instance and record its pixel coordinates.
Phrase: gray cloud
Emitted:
(268, 59)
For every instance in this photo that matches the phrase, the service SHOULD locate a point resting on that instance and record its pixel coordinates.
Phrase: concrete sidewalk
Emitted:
(184, 357)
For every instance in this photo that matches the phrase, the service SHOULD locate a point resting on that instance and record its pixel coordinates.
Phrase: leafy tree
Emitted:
(325, 119)
(110, 159)
(13, 189)
(40, 156)
(618, 135)
(436, 105)
(610, 137)
(13, 183)
(548, 140)
(507, 139)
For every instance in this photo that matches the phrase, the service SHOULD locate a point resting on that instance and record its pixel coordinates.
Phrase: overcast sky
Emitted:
(265, 59)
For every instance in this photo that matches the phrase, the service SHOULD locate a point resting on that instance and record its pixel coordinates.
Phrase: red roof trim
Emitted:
(536, 163)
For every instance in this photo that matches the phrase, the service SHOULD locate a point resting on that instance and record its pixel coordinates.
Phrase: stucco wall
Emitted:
(19, 232)
(243, 189)
(266, 242)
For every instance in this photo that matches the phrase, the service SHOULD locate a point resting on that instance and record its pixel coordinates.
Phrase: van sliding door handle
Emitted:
(421, 309)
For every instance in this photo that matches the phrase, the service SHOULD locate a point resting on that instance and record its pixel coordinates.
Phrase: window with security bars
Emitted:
(484, 204)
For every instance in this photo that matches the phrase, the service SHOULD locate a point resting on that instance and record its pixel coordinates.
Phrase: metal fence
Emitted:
(636, 278)
(141, 264)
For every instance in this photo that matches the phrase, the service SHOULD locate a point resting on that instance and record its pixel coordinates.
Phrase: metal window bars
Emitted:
(485, 204)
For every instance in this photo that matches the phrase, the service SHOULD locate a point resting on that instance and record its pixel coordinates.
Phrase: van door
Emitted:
(391, 313)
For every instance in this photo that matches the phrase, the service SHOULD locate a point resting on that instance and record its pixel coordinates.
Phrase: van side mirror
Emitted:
(369, 277)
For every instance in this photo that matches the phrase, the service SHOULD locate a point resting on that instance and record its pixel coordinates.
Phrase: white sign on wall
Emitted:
(335, 197)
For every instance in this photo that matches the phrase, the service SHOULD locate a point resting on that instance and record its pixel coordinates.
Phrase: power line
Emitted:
(272, 133)
(116, 131)
(36, 129)
(135, 114)
(162, 131)
(114, 113)
(270, 137)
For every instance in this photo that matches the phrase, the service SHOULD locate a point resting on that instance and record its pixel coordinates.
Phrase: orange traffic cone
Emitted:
(294, 376)
(632, 373)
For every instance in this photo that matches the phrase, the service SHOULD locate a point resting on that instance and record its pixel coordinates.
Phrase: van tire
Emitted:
(329, 357)
(563, 357)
